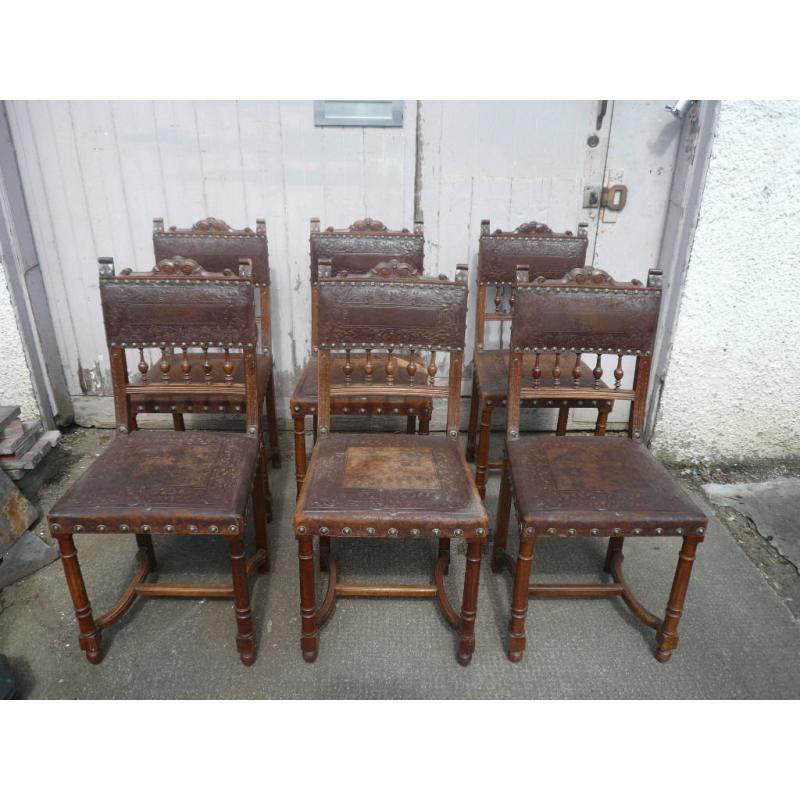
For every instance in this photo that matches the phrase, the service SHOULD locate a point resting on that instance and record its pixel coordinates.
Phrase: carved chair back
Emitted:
(534, 245)
(386, 316)
(584, 313)
(179, 308)
(217, 246)
(358, 249)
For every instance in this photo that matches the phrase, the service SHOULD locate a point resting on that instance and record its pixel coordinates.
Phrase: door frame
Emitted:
(24, 274)
(683, 211)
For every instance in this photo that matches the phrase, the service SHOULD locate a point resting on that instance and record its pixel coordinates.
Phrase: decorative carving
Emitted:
(394, 269)
(583, 275)
(534, 228)
(367, 224)
(210, 225)
(178, 265)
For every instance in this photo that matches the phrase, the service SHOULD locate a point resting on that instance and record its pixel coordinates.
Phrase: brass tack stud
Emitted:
(458, 532)
(169, 529)
(701, 530)
(145, 529)
(192, 528)
(414, 531)
(479, 531)
(617, 531)
(101, 528)
(571, 531)
(301, 529)
(371, 531)
(595, 531)
(659, 531)
(213, 529)
(124, 528)
(346, 531)
(323, 531)
(436, 531)
(637, 531)
(78, 528)
(55, 527)
(551, 531)
(529, 531)
(392, 531)
(679, 531)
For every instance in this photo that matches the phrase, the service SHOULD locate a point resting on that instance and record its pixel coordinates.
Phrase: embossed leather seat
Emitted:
(382, 484)
(586, 486)
(182, 482)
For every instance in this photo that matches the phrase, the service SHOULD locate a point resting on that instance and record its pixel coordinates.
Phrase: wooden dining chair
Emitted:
(381, 485)
(217, 246)
(582, 486)
(193, 483)
(358, 249)
(544, 254)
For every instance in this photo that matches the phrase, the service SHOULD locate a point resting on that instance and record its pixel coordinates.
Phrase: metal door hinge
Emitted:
(610, 197)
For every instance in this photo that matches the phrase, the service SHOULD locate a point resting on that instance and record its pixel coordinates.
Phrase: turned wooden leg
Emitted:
(260, 510)
(272, 423)
(89, 634)
(519, 602)
(411, 424)
(472, 430)
(299, 450)
(444, 552)
(308, 604)
(667, 636)
(241, 601)
(482, 461)
(469, 605)
(425, 421)
(602, 417)
(614, 546)
(501, 528)
(177, 421)
(145, 541)
(563, 418)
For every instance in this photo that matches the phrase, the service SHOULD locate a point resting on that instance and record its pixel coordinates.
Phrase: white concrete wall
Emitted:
(732, 391)
(15, 378)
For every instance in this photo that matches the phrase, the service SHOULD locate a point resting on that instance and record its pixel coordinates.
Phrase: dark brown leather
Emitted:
(397, 485)
(619, 318)
(491, 369)
(304, 398)
(597, 486)
(145, 309)
(546, 253)
(215, 245)
(424, 312)
(363, 245)
(191, 479)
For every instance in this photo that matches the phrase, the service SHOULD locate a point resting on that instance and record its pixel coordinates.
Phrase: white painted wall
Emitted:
(732, 391)
(15, 378)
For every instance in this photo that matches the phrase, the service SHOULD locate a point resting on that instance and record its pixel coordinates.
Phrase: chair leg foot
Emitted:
(94, 656)
(247, 658)
(464, 659)
(310, 656)
(516, 655)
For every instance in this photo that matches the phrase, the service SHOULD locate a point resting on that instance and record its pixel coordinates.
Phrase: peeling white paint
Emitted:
(732, 391)
(15, 378)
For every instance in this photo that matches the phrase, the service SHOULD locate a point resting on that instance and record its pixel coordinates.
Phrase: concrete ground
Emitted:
(738, 639)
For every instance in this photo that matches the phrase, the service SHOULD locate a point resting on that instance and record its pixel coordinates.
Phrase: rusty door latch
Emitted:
(611, 197)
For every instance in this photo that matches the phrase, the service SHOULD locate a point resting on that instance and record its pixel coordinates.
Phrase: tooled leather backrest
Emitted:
(372, 312)
(363, 245)
(585, 312)
(214, 244)
(547, 254)
(178, 304)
